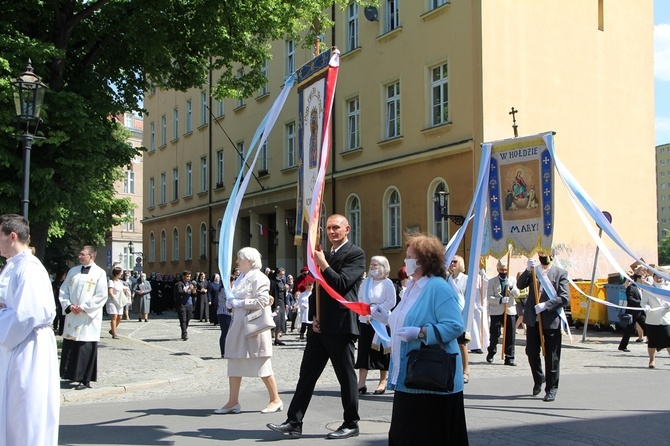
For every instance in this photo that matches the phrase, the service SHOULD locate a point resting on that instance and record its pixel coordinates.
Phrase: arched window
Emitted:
(203, 240)
(440, 222)
(188, 243)
(354, 217)
(393, 223)
(175, 245)
(152, 247)
(163, 246)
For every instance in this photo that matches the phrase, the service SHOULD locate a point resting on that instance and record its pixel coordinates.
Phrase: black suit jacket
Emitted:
(344, 275)
(550, 319)
(633, 300)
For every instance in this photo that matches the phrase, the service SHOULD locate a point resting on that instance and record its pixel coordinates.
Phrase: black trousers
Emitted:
(185, 313)
(552, 358)
(339, 348)
(496, 328)
(224, 324)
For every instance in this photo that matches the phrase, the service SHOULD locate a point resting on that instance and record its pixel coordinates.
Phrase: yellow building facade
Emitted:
(422, 84)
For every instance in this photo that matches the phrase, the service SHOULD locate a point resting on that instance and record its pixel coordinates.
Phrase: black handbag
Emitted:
(431, 368)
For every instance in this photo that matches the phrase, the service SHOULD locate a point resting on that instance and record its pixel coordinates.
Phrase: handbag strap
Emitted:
(439, 338)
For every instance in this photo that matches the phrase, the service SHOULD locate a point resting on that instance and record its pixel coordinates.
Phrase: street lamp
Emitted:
(212, 236)
(28, 98)
(440, 198)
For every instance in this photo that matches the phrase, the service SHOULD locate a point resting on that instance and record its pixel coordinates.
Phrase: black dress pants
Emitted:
(185, 313)
(552, 358)
(497, 325)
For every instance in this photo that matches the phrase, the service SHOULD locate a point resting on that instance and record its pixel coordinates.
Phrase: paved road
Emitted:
(154, 389)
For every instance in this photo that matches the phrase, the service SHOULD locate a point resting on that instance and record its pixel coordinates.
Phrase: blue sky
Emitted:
(662, 70)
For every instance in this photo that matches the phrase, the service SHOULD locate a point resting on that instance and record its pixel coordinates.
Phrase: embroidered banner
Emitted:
(521, 196)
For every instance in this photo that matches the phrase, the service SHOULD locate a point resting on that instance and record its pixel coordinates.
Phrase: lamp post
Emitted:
(28, 98)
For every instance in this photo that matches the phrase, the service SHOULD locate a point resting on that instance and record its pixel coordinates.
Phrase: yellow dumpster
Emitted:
(579, 302)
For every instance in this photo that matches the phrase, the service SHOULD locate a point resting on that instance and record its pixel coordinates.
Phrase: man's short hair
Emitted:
(15, 223)
(91, 250)
(185, 272)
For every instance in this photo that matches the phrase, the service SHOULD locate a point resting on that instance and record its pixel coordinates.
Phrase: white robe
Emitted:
(90, 292)
(29, 379)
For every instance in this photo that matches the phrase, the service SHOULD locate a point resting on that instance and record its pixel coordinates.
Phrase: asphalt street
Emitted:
(154, 389)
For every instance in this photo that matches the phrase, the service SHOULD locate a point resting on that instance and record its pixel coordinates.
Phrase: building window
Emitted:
(152, 137)
(353, 124)
(219, 168)
(352, 26)
(189, 180)
(263, 158)
(152, 192)
(354, 217)
(203, 174)
(130, 224)
(393, 219)
(219, 108)
(392, 15)
(440, 225)
(163, 246)
(189, 117)
(175, 183)
(203, 241)
(393, 110)
(188, 244)
(163, 188)
(152, 248)
(204, 108)
(129, 182)
(440, 94)
(240, 75)
(128, 120)
(290, 57)
(290, 145)
(163, 130)
(175, 123)
(434, 4)
(175, 245)
(240, 157)
(264, 71)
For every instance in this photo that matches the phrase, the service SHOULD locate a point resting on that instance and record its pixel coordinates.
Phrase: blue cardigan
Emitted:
(437, 305)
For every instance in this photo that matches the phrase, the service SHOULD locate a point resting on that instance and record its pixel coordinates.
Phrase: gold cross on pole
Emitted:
(514, 126)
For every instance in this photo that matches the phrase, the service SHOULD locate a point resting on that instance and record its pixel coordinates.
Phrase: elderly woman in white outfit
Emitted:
(249, 356)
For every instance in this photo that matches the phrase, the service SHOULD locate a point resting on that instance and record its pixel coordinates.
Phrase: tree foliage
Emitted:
(664, 250)
(98, 57)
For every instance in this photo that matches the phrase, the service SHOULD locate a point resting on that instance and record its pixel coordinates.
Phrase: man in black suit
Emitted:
(548, 310)
(333, 334)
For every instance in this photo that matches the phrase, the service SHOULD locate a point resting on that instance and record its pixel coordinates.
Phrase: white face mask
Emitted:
(373, 272)
(410, 266)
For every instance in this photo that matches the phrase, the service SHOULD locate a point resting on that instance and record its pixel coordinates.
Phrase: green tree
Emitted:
(98, 57)
(664, 250)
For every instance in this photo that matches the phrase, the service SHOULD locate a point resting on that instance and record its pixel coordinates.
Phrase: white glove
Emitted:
(539, 308)
(379, 314)
(666, 305)
(238, 303)
(647, 308)
(364, 319)
(504, 300)
(532, 263)
(229, 304)
(408, 333)
(482, 272)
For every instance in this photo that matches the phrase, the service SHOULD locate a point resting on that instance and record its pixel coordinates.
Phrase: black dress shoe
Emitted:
(510, 362)
(363, 390)
(343, 432)
(83, 386)
(537, 389)
(624, 350)
(489, 358)
(280, 343)
(379, 391)
(550, 396)
(477, 350)
(287, 427)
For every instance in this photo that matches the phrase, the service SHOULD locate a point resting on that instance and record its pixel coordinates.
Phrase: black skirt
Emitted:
(430, 419)
(369, 358)
(658, 336)
(79, 361)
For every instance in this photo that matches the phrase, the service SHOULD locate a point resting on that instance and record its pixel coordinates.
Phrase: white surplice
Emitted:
(29, 380)
(90, 292)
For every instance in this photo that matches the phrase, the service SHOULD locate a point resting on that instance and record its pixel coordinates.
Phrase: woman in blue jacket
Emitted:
(429, 303)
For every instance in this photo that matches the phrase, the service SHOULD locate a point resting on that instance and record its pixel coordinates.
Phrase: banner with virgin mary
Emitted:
(521, 196)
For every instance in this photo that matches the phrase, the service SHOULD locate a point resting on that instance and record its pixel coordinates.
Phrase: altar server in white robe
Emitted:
(29, 384)
(82, 296)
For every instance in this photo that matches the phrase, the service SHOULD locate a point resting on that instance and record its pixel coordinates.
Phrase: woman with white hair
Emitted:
(249, 355)
(378, 291)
